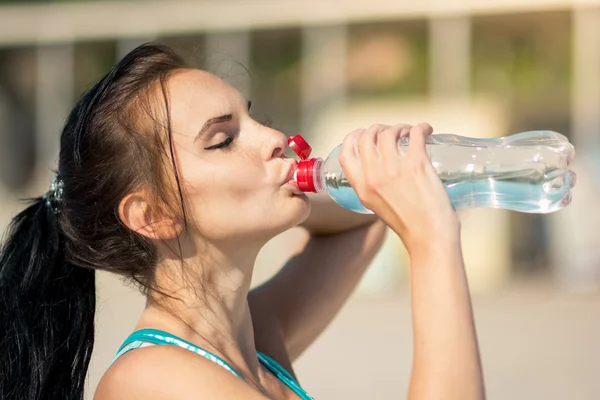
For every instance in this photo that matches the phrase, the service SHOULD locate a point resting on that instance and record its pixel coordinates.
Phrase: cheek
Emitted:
(233, 198)
(225, 192)
(223, 212)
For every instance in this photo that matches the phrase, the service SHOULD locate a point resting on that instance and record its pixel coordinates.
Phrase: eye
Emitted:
(225, 143)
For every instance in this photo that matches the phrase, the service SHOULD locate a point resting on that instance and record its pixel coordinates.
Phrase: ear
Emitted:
(138, 214)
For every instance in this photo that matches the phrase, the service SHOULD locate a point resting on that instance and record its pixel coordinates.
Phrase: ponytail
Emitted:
(47, 310)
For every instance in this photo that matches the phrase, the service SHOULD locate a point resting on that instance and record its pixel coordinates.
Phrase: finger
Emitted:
(367, 143)
(350, 142)
(389, 140)
(426, 127)
(417, 143)
(348, 157)
(428, 130)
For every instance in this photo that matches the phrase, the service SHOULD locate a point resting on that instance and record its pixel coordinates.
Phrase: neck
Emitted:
(204, 300)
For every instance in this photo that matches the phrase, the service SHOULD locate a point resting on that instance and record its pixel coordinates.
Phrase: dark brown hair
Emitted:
(115, 141)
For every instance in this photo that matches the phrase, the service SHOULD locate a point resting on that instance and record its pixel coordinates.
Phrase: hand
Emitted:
(403, 189)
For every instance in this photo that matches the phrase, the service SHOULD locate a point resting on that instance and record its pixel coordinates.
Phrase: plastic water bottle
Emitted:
(526, 172)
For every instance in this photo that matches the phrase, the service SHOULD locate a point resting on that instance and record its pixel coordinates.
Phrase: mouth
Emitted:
(290, 178)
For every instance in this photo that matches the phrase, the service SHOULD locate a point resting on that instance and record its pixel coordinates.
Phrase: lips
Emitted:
(289, 173)
(289, 177)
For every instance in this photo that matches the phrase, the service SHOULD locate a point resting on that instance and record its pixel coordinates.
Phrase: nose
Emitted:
(277, 143)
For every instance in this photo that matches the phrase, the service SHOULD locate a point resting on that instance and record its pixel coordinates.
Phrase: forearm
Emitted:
(446, 356)
(328, 218)
(311, 289)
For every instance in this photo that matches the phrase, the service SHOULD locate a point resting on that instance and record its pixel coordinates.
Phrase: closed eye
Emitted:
(222, 145)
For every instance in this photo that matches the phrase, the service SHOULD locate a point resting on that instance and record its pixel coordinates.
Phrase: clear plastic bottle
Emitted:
(526, 172)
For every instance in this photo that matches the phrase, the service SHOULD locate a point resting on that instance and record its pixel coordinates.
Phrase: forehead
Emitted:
(200, 92)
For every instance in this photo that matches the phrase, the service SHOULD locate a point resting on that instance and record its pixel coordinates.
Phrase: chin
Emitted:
(304, 207)
(296, 213)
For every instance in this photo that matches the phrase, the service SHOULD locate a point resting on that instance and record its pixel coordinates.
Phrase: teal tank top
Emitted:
(150, 337)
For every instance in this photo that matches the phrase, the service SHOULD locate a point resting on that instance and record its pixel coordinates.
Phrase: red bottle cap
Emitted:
(300, 147)
(305, 177)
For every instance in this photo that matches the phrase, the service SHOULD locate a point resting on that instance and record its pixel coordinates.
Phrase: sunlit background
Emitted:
(480, 68)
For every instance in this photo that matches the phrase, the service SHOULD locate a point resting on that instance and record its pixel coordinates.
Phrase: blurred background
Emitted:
(324, 67)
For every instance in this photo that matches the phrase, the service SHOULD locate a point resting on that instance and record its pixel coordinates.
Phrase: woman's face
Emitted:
(233, 171)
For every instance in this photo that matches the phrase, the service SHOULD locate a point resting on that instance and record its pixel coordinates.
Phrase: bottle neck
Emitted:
(318, 175)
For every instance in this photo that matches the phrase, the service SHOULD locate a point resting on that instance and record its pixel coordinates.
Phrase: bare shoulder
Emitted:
(169, 372)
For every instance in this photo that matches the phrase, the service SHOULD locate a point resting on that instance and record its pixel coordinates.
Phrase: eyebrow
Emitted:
(218, 120)
(213, 121)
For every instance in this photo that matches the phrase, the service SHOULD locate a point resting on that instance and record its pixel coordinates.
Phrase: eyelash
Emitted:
(224, 144)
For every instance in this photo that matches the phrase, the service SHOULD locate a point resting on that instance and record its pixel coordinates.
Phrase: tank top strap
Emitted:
(139, 338)
(149, 337)
(283, 375)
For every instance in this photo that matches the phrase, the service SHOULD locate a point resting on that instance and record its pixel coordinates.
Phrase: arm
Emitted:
(328, 218)
(405, 192)
(446, 361)
(313, 286)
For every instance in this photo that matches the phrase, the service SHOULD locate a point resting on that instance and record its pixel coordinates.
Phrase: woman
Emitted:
(165, 178)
